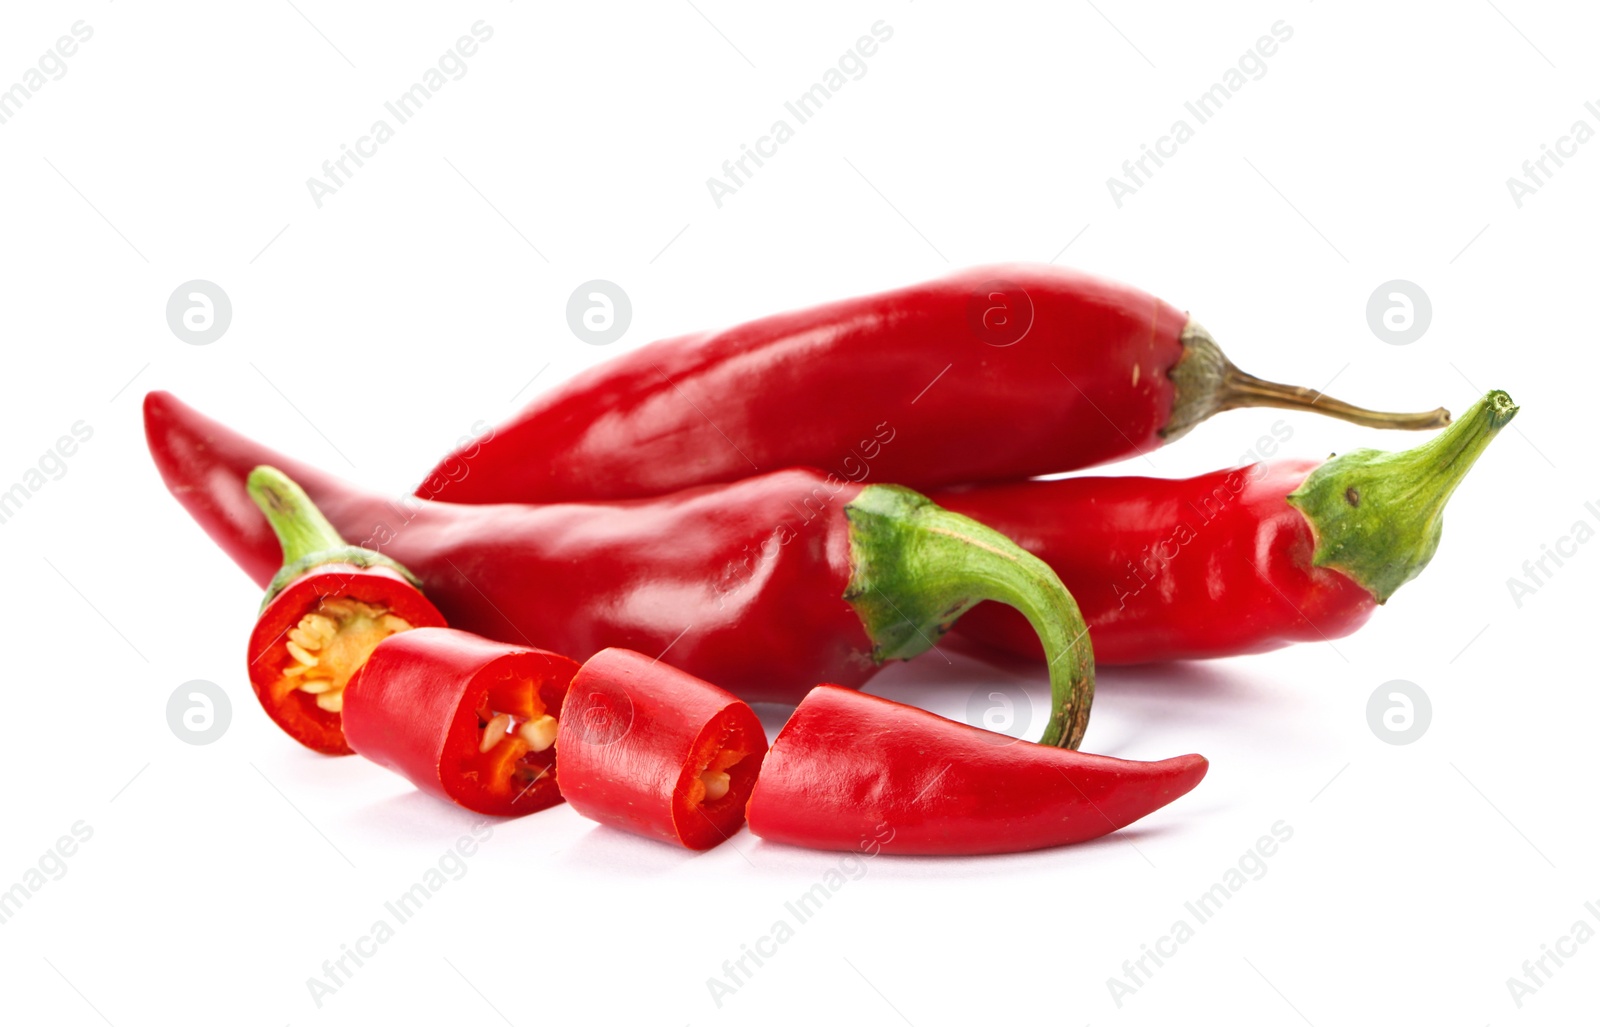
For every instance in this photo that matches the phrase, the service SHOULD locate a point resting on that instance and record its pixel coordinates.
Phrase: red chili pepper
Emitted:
(324, 612)
(1236, 561)
(990, 374)
(851, 771)
(463, 718)
(765, 586)
(650, 749)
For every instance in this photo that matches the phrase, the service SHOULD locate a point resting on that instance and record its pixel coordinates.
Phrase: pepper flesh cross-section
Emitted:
(323, 615)
(463, 718)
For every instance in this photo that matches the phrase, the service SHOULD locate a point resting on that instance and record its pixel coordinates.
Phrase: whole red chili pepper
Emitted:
(1235, 561)
(851, 770)
(324, 612)
(463, 718)
(990, 374)
(764, 586)
(647, 748)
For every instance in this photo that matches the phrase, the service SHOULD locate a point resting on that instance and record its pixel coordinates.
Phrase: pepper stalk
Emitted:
(916, 567)
(305, 535)
(1206, 382)
(1377, 516)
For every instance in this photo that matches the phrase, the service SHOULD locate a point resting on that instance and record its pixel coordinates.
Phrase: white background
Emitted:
(369, 334)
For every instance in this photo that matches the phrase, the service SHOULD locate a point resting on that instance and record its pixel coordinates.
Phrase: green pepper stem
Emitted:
(916, 567)
(300, 526)
(307, 539)
(1377, 516)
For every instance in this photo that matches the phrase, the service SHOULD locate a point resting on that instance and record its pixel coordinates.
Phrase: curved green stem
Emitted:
(916, 567)
(1377, 516)
(304, 534)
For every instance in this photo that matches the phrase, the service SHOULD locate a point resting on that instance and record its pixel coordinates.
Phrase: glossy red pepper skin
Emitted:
(855, 772)
(1215, 565)
(922, 386)
(294, 711)
(732, 583)
(634, 739)
(991, 374)
(414, 708)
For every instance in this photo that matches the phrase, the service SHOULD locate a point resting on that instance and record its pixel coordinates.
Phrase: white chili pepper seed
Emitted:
(296, 670)
(539, 733)
(716, 782)
(333, 702)
(301, 655)
(494, 731)
(304, 640)
(316, 686)
(394, 625)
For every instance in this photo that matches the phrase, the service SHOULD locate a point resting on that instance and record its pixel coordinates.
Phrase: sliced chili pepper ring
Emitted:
(326, 609)
(463, 718)
(315, 634)
(653, 750)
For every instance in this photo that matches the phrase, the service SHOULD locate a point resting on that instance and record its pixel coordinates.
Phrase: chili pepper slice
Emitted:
(652, 750)
(463, 718)
(764, 586)
(991, 374)
(851, 771)
(324, 611)
(1241, 560)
